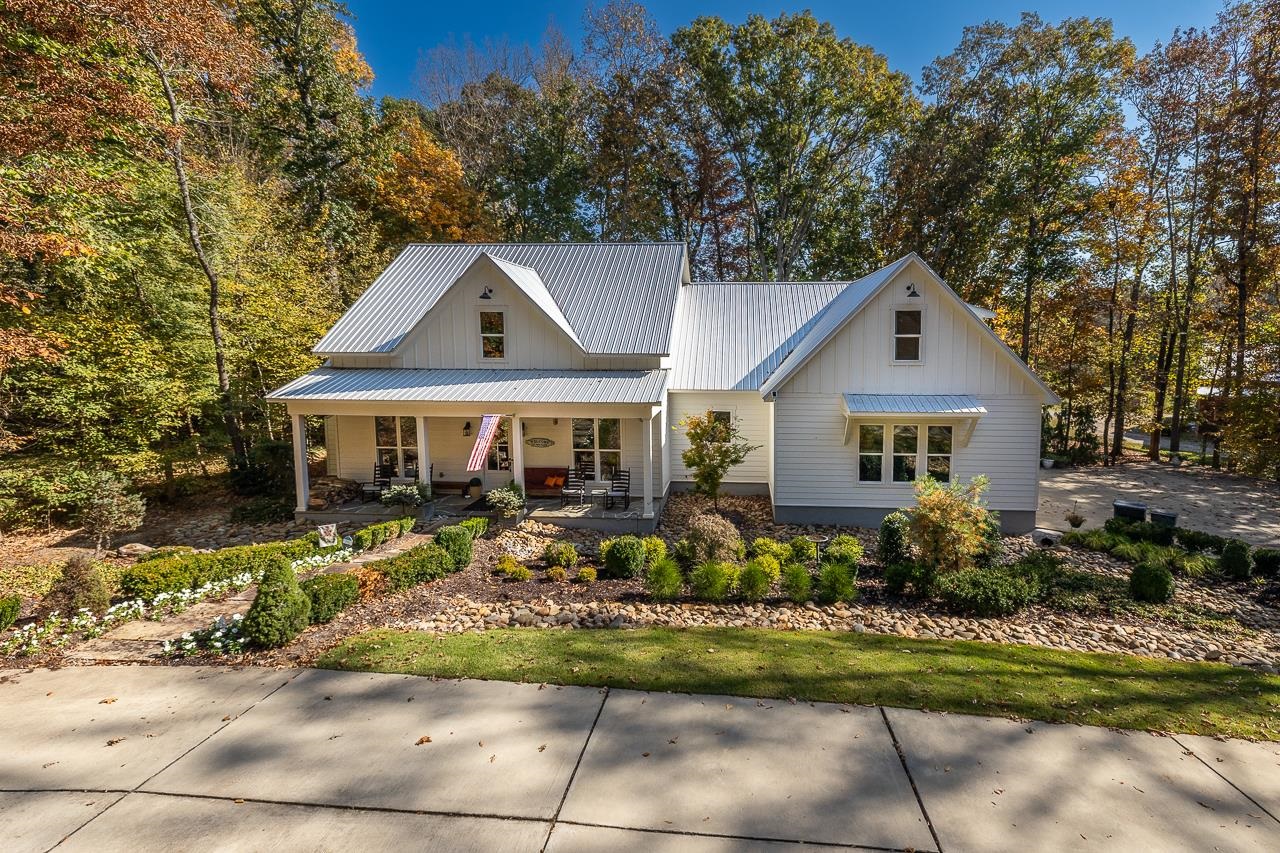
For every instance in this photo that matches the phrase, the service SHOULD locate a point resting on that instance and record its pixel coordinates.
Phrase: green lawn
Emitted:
(867, 669)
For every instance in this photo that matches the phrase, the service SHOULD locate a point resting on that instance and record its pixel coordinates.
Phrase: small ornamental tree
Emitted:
(715, 446)
(108, 509)
(949, 524)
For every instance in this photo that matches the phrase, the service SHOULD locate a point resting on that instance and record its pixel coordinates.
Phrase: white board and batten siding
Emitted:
(748, 411)
(813, 465)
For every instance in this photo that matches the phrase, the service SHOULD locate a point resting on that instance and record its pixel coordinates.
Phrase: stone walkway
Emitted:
(151, 758)
(1207, 500)
(142, 639)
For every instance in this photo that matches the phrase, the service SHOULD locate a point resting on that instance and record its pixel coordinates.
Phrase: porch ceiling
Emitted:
(482, 385)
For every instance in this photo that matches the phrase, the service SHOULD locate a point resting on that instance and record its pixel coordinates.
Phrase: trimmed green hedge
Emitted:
(1151, 582)
(1236, 563)
(624, 558)
(384, 531)
(189, 571)
(423, 563)
(330, 595)
(987, 592)
(1266, 561)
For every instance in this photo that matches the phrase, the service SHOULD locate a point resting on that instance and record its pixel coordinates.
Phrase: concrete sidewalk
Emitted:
(157, 758)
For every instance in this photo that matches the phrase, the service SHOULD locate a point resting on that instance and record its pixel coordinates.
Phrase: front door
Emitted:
(497, 469)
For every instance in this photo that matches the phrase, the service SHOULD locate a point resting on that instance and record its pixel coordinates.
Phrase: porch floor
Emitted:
(587, 515)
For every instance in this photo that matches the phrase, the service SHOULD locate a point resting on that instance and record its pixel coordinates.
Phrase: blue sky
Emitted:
(393, 35)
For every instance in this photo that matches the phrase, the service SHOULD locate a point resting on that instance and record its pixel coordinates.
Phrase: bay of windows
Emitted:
(902, 451)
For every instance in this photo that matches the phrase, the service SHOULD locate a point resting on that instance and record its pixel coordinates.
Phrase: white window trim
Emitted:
(506, 334)
(886, 454)
(893, 334)
(399, 448)
(595, 450)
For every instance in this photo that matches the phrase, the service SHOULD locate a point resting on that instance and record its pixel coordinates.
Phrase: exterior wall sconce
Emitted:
(912, 293)
(487, 293)
(466, 430)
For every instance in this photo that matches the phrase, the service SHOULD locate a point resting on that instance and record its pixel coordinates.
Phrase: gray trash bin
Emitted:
(1164, 518)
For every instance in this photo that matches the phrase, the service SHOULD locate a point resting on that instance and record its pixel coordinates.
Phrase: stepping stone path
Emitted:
(143, 639)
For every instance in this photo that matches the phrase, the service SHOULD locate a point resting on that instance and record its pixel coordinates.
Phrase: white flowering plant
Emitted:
(56, 630)
(224, 637)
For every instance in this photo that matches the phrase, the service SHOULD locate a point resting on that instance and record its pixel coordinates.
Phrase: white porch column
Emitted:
(648, 467)
(301, 476)
(424, 450)
(517, 451)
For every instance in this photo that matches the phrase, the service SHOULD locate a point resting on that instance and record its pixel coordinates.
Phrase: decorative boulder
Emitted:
(133, 549)
(1045, 538)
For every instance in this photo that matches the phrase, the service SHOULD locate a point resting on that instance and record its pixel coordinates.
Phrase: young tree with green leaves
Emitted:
(715, 447)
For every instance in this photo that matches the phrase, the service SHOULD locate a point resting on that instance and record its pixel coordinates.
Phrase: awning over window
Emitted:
(961, 408)
(896, 405)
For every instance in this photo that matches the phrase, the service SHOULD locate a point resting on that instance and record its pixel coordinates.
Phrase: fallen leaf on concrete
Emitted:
(493, 757)
(542, 748)
(114, 741)
(644, 754)
(424, 739)
(107, 701)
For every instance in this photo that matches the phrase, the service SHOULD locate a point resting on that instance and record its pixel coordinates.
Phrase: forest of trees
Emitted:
(191, 192)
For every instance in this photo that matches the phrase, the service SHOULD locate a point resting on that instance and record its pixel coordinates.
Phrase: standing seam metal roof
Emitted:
(448, 385)
(620, 298)
(913, 404)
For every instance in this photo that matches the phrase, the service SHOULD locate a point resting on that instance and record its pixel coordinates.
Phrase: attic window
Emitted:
(907, 329)
(493, 334)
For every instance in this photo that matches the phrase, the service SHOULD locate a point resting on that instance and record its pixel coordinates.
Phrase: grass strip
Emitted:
(1120, 691)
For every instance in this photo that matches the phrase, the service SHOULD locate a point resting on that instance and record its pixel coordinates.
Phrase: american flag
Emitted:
(488, 431)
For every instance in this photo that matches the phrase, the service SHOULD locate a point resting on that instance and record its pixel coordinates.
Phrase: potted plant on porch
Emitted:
(507, 502)
(409, 497)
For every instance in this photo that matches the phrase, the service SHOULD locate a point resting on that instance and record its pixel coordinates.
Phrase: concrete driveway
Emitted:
(154, 758)
(1208, 500)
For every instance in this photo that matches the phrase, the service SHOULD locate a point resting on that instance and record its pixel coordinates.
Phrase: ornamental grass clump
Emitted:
(663, 580)
(280, 611)
(949, 524)
(712, 537)
(797, 583)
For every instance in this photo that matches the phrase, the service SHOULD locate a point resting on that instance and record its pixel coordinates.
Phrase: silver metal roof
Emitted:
(620, 298)
(958, 405)
(831, 320)
(405, 384)
(731, 336)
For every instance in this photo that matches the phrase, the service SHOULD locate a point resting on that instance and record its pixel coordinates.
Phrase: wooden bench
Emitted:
(535, 481)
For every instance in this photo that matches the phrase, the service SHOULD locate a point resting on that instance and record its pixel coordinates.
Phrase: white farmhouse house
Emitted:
(589, 356)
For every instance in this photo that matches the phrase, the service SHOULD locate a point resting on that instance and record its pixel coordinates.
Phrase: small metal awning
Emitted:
(893, 405)
(960, 408)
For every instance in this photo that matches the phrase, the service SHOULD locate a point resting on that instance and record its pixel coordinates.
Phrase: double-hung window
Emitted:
(870, 453)
(906, 449)
(396, 451)
(938, 455)
(597, 447)
(908, 330)
(493, 335)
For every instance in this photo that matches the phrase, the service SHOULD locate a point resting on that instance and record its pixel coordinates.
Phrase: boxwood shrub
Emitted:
(1235, 562)
(456, 539)
(1195, 540)
(560, 554)
(281, 609)
(1151, 582)
(1266, 561)
(845, 550)
(655, 549)
(624, 557)
(330, 595)
(892, 547)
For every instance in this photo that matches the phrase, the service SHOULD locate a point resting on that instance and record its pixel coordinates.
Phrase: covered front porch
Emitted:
(617, 430)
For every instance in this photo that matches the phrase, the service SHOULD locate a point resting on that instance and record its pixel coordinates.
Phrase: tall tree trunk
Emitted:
(1029, 281)
(176, 156)
(1163, 359)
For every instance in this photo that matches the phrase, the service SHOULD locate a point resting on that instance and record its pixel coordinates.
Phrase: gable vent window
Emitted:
(493, 334)
(907, 328)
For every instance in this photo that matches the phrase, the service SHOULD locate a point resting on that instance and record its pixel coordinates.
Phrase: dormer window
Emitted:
(908, 326)
(493, 334)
